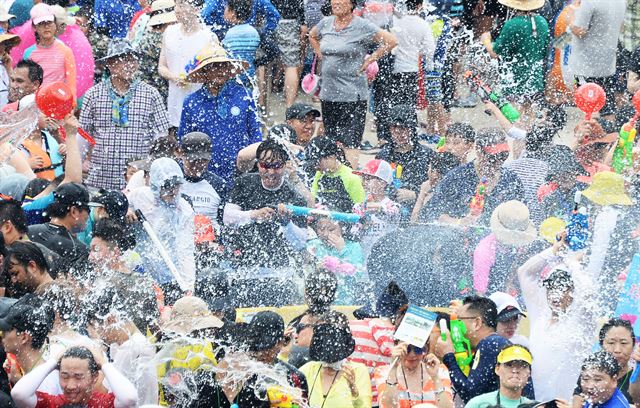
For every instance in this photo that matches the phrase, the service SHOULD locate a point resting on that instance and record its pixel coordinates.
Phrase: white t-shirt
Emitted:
(414, 38)
(204, 199)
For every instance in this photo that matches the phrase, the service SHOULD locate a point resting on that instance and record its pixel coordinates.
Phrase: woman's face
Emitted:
(619, 343)
(414, 357)
(46, 30)
(341, 8)
(186, 12)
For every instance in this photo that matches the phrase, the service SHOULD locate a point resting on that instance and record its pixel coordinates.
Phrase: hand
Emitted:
(405, 195)
(366, 63)
(35, 162)
(51, 124)
(71, 124)
(469, 220)
(444, 347)
(62, 149)
(636, 354)
(560, 403)
(399, 351)
(283, 211)
(349, 374)
(559, 245)
(263, 214)
(98, 355)
(130, 217)
(336, 241)
(454, 306)
(180, 81)
(490, 107)
(433, 367)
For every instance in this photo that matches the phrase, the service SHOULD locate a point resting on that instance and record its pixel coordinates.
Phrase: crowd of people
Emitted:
(144, 232)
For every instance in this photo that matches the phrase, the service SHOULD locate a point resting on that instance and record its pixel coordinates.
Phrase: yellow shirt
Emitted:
(339, 395)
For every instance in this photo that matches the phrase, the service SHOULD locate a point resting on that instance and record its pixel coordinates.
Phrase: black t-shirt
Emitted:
(72, 252)
(252, 394)
(261, 243)
(415, 164)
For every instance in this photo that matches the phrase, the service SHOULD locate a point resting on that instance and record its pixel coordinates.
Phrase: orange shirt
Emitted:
(408, 399)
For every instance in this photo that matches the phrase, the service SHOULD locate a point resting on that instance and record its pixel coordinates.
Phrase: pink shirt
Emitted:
(56, 61)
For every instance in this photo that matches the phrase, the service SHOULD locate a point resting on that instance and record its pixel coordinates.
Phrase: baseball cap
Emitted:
(42, 12)
(191, 313)
(508, 306)
(321, 147)
(515, 353)
(114, 203)
(265, 330)
(403, 115)
(300, 111)
(196, 146)
(558, 279)
(377, 168)
(71, 194)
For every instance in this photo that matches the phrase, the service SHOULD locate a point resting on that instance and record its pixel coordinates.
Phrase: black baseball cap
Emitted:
(265, 330)
(114, 203)
(403, 115)
(321, 147)
(196, 146)
(71, 194)
(300, 111)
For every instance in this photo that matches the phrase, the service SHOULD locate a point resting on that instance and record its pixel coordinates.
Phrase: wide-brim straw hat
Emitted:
(213, 53)
(191, 313)
(10, 40)
(118, 47)
(607, 188)
(162, 12)
(511, 225)
(523, 5)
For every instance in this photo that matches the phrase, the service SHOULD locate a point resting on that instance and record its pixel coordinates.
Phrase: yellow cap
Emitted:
(551, 227)
(514, 353)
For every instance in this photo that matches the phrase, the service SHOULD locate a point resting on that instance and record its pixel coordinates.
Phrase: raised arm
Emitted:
(124, 391)
(24, 392)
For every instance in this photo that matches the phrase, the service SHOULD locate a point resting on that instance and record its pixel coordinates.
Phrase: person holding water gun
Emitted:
(479, 316)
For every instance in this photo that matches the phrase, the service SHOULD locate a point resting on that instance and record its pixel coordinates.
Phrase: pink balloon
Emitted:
(73, 38)
(590, 98)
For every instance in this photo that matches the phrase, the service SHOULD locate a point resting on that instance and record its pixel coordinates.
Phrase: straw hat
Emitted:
(523, 5)
(4, 16)
(11, 40)
(212, 53)
(607, 188)
(162, 12)
(551, 227)
(511, 225)
(191, 313)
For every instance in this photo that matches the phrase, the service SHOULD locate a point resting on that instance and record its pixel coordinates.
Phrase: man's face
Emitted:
(9, 232)
(21, 85)
(271, 170)
(100, 251)
(619, 343)
(80, 215)
(124, 67)
(374, 185)
(169, 194)
(185, 11)
(597, 386)
(400, 135)
(559, 299)
(508, 328)
(457, 146)
(471, 320)
(513, 374)
(490, 160)
(195, 167)
(326, 228)
(304, 128)
(218, 73)
(76, 380)
(22, 277)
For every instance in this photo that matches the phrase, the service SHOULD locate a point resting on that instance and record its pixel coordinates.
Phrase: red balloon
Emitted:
(590, 98)
(55, 100)
(636, 101)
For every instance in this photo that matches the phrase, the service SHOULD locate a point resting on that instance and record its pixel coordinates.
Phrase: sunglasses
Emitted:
(271, 165)
(416, 350)
(301, 326)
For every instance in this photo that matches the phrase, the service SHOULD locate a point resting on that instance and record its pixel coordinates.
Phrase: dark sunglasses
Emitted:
(271, 165)
(301, 326)
(416, 350)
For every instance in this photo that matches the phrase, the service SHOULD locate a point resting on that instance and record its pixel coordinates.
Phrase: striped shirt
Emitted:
(57, 62)
(532, 173)
(241, 42)
(407, 399)
(374, 342)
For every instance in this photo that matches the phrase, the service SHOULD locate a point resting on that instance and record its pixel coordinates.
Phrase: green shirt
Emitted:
(340, 190)
(491, 399)
(524, 54)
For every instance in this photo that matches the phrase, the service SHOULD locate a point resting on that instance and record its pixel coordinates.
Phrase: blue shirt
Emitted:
(115, 16)
(213, 15)
(241, 42)
(617, 400)
(230, 119)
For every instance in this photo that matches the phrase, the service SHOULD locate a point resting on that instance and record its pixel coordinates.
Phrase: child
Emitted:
(242, 40)
(381, 214)
(7, 41)
(334, 184)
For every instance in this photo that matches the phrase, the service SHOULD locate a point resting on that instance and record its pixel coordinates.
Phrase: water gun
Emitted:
(441, 142)
(336, 216)
(477, 202)
(485, 93)
(461, 345)
(397, 175)
(277, 398)
(623, 154)
(578, 227)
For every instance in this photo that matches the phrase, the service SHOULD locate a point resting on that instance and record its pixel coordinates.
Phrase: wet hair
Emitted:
(114, 233)
(320, 289)
(335, 318)
(11, 210)
(539, 138)
(616, 322)
(602, 361)
(241, 9)
(81, 353)
(273, 150)
(62, 296)
(36, 186)
(36, 73)
(485, 307)
(24, 252)
(462, 130)
(413, 5)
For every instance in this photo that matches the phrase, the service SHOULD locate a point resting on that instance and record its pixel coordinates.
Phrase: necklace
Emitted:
(407, 384)
(324, 396)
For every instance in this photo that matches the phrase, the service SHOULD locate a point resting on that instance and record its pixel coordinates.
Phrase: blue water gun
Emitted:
(336, 216)
(578, 227)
